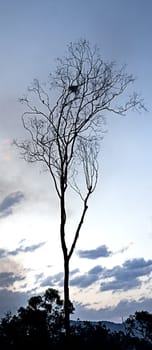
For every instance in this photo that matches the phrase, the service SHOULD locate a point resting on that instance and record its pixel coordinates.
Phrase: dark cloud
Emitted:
(8, 203)
(139, 263)
(27, 249)
(7, 279)
(3, 253)
(11, 301)
(120, 285)
(58, 278)
(54, 281)
(122, 278)
(11, 272)
(46, 282)
(21, 249)
(80, 281)
(73, 272)
(127, 276)
(115, 313)
(119, 278)
(101, 251)
(84, 281)
(96, 270)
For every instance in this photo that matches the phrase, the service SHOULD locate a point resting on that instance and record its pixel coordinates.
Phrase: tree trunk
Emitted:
(66, 262)
(66, 297)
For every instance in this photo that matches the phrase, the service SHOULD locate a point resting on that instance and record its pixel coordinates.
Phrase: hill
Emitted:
(111, 326)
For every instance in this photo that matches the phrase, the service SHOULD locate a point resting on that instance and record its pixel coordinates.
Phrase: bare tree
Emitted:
(65, 127)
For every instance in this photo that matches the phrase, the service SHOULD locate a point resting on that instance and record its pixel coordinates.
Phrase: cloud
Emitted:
(96, 270)
(3, 253)
(53, 281)
(73, 272)
(11, 301)
(120, 285)
(116, 313)
(80, 281)
(122, 278)
(21, 249)
(11, 272)
(138, 264)
(101, 251)
(127, 276)
(123, 249)
(39, 277)
(119, 278)
(84, 281)
(7, 279)
(27, 249)
(47, 281)
(8, 203)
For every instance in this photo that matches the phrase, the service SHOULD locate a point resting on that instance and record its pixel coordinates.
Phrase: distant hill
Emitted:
(112, 326)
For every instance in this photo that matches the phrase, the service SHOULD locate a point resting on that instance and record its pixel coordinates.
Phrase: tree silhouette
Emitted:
(38, 324)
(65, 124)
(140, 324)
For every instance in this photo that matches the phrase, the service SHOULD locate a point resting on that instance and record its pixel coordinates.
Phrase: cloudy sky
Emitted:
(110, 272)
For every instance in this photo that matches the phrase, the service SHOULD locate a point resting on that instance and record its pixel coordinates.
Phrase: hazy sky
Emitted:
(111, 268)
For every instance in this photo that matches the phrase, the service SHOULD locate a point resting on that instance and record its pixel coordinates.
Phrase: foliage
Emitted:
(140, 324)
(40, 324)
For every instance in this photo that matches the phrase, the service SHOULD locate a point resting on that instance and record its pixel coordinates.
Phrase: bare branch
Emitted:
(85, 207)
(65, 135)
(65, 122)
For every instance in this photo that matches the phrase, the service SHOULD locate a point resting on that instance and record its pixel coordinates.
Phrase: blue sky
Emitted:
(111, 268)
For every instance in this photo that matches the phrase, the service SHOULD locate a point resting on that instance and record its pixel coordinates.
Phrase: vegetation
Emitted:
(140, 324)
(65, 123)
(40, 325)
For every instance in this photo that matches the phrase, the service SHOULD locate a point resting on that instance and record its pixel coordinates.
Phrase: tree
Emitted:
(38, 324)
(65, 130)
(140, 324)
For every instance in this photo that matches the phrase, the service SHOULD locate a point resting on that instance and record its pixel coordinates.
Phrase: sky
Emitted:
(111, 269)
